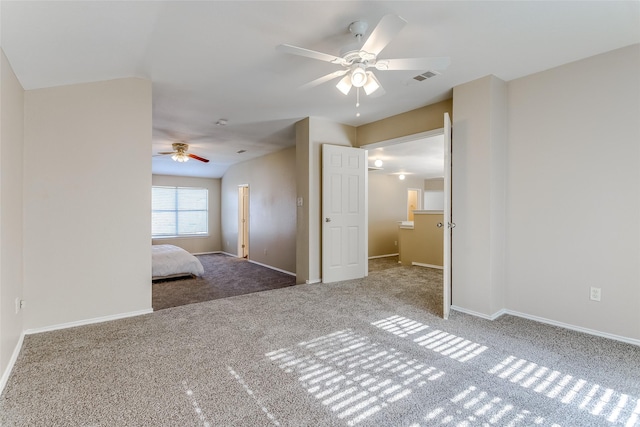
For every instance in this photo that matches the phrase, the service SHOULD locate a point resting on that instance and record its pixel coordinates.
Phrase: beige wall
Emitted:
(387, 206)
(87, 201)
(574, 193)
(423, 243)
(311, 133)
(11, 230)
(478, 188)
(196, 245)
(272, 208)
(303, 245)
(412, 122)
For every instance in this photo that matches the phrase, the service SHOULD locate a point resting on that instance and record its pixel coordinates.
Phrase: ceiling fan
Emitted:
(179, 153)
(356, 60)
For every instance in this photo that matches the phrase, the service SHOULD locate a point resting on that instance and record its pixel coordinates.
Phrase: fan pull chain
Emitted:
(357, 100)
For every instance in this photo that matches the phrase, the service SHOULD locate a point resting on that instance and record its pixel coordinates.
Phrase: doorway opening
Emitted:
(406, 184)
(243, 221)
(414, 202)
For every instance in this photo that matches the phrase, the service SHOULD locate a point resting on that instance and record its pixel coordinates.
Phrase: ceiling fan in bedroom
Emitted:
(180, 154)
(356, 59)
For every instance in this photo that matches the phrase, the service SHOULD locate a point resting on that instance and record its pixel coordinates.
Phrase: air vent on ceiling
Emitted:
(426, 75)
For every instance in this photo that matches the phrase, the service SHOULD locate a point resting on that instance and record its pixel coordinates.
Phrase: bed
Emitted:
(169, 261)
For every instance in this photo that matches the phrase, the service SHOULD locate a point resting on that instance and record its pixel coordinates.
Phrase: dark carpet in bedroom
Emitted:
(224, 276)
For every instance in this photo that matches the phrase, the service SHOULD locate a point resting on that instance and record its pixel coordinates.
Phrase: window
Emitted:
(179, 211)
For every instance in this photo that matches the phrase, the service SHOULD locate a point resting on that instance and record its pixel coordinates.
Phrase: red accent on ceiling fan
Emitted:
(202, 159)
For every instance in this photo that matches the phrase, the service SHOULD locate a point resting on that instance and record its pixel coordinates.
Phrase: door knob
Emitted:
(439, 225)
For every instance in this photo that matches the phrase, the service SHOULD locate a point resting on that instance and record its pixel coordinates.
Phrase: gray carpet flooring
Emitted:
(224, 276)
(369, 352)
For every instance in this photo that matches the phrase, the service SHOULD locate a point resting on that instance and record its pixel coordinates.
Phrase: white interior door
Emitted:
(344, 213)
(447, 218)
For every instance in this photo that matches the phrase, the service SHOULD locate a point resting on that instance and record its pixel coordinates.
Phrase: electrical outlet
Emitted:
(595, 294)
(395, 242)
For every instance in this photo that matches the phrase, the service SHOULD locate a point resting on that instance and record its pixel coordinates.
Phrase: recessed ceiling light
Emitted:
(401, 177)
(378, 163)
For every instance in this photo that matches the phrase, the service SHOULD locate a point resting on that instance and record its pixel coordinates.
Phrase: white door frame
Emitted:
(448, 222)
(243, 221)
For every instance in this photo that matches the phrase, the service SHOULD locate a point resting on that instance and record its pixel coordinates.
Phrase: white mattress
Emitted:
(170, 260)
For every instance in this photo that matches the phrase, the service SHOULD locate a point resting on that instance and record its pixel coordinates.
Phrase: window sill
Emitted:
(184, 236)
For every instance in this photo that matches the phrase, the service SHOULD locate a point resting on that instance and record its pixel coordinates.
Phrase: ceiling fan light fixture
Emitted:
(344, 85)
(358, 77)
(180, 157)
(372, 84)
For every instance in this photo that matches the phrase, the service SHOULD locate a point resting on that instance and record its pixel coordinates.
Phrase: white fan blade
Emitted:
(388, 27)
(287, 48)
(435, 63)
(323, 79)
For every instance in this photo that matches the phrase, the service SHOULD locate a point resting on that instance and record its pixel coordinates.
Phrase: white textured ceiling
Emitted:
(213, 59)
(421, 158)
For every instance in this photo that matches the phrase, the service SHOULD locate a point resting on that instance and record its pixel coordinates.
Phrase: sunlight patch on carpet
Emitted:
(441, 342)
(597, 400)
(196, 405)
(352, 375)
(250, 392)
(473, 407)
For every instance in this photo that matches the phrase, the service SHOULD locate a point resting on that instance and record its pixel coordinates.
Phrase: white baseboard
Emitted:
(207, 253)
(272, 268)
(573, 327)
(227, 253)
(313, 282)
(88, 321)
(12, 361)
(594, 332)
(478, 314)
(383, 256)
(419, 264)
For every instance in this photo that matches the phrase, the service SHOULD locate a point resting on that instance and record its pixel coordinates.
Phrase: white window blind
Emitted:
(179, 211)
